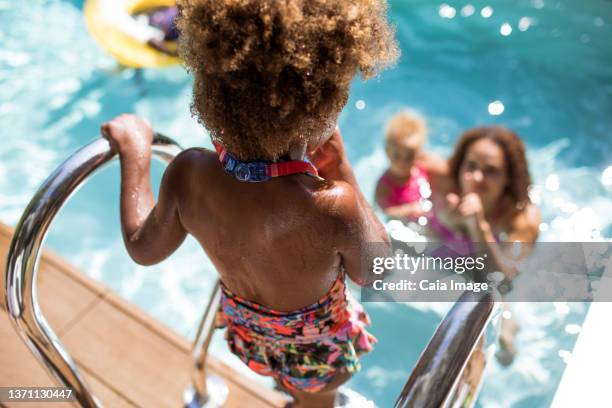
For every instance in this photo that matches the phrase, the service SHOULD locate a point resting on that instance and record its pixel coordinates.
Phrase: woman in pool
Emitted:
(485, 199)
(485, 202)
(283, 231)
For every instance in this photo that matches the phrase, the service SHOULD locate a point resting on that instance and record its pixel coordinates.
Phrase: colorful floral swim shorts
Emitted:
(304, 349)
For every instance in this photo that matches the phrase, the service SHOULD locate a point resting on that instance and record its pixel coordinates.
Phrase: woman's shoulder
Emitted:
(524, 224)
(433, 163)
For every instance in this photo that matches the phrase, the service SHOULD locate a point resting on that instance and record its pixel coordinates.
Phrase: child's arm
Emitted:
(361, 238)
(332, 164)
(151, 232)
(359, 226)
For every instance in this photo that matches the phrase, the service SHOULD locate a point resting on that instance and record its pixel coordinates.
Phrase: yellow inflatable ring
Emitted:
(125, 49)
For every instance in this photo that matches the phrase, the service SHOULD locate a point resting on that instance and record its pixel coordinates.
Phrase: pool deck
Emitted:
(128, 358)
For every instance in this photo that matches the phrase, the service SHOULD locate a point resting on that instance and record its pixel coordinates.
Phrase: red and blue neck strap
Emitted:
(261, 171)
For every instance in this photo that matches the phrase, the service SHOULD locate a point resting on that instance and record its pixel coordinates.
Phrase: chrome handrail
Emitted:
(434, 379)
(205, 390)
(23, 257)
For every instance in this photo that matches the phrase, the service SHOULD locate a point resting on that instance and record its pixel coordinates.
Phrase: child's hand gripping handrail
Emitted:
(22, 267)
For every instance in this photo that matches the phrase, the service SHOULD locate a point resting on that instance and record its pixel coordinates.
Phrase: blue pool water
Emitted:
(551, 72)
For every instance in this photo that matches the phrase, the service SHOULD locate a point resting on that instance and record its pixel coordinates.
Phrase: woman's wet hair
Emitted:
(514, 154)
(268, 73)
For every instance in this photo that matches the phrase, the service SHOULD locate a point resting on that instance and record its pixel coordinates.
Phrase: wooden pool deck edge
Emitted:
(95, 324)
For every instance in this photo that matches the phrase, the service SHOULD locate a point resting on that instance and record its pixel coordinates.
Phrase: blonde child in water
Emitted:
(276, 208)
(403, 189)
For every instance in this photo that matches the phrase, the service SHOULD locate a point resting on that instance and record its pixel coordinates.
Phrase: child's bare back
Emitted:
(282, 248)
(279, 243)
(270, 79)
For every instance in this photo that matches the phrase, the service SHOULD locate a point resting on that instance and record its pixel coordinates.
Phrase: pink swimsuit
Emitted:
(409, 192)
(455, 243)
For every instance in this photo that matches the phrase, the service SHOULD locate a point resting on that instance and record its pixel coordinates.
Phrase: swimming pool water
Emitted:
(548, 64)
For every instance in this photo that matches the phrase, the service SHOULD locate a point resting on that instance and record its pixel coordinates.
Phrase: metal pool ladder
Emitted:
(435, 380)
(22, 268)
(432, 383)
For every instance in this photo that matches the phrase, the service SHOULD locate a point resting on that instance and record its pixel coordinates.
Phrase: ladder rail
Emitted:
(22, 262)
(437, 373)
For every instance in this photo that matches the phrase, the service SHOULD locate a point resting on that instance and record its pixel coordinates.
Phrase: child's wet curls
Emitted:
(269, 74)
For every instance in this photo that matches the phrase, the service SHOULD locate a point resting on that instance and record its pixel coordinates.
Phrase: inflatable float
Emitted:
(104, 25)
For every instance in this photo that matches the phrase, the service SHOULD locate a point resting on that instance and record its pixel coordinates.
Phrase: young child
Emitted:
(277, 208)
(402, 188)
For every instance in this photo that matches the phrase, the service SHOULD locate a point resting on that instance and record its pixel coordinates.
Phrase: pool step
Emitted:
(128, 358)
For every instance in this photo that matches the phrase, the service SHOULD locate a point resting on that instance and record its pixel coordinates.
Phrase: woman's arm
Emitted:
(438, 173)
(524, 227)
(151, 232)
(497, 259)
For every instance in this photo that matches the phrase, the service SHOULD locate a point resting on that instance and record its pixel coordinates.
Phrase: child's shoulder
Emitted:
(338, 200)
(191, 163)
(193, 159)
(196, 155)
